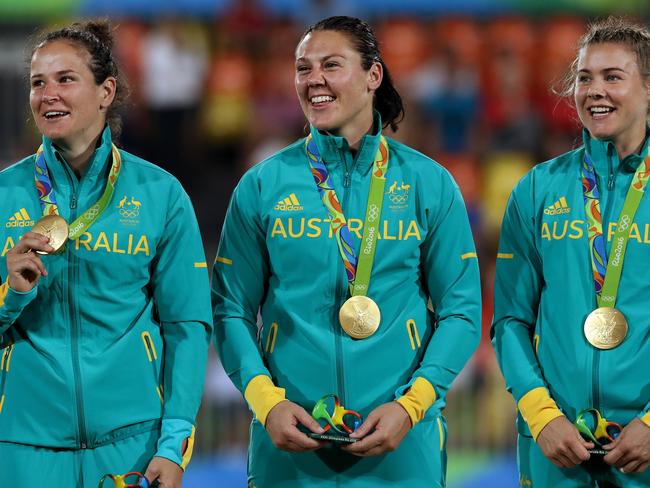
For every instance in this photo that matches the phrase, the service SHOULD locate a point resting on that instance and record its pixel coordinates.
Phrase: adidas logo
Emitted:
(289, 204)
(20, 219)
(558, 208)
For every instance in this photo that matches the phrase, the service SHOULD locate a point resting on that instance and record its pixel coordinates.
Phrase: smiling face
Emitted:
(67, 105)
(335, 92)
(611, 96)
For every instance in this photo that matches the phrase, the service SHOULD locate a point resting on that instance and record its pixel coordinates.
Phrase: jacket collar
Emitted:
(58, 167)
(332, 147)
(603, 151)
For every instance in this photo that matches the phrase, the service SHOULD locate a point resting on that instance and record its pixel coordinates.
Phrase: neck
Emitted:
(632, 145)
(78, 154)
(354, 134)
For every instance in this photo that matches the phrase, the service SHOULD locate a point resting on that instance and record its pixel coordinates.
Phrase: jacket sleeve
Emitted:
(517, 290)
(181, 294)
(12, 304)
(451, 275)
(240, 277)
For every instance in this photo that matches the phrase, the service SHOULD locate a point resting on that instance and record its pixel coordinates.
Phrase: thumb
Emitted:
(307, 420)
(584, 442)
(366, 426)
(151, 473)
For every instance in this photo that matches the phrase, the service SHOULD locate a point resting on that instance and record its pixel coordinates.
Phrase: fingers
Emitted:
(368, 446)
(366, 427)
(308, 421)
(32, 241)
(282, 426)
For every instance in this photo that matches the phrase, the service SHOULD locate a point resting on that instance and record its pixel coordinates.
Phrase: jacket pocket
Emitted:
(5, 365)
(152, 356)
(414, 336)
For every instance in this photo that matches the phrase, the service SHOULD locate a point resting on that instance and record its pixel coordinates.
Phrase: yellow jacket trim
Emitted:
(418, 399)
(187, 455)
(646, 418)
(262, 395)
(538, 409)
(4, 289)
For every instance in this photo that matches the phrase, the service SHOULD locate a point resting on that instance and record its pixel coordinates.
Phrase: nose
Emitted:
(596, 90)
(315, 78)
(50, 94)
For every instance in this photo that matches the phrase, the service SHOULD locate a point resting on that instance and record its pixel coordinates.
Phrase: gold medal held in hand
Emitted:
(359, 316)
(605, 328)
(56, 228)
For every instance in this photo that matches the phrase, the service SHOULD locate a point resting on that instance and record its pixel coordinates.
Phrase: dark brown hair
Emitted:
(96, 37)
(387, 101)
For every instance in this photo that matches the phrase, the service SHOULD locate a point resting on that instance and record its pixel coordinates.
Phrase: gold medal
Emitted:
(359, 316)
(605, 328)
(56, 228)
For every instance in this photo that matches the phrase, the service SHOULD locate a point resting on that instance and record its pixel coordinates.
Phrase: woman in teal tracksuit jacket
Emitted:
(279, 254)
(547, 287)
(104, 344)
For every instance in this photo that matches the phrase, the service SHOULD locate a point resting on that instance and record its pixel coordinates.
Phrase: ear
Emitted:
(375, 75)
(107, 92)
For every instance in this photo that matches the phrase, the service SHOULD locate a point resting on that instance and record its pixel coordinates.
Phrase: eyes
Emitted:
(63, 79)
(329, 65)
(583, 78)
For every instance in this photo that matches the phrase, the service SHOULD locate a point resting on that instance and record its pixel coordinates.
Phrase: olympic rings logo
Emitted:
(624, 223)
(373, 213)
(92, 212)
(398, 199)
(129, 213)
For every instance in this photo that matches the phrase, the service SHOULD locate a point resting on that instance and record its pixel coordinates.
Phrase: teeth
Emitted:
(321, 99)
(600, 110)
(54, 114)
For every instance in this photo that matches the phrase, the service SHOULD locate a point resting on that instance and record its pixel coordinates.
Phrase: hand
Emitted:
(561, 442)
(390, 423)
(282, 426)
(630, 451)
(167, 473)
(24, 267)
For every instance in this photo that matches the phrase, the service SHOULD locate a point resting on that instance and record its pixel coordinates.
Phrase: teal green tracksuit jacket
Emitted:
(113, 342)
(277, 254)
(544, 290)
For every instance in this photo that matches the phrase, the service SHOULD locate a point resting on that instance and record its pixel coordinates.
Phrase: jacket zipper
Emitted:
(341, 296)
(75, 329)
(611, 180)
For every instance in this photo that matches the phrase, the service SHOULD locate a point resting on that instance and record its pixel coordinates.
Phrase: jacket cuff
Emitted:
(262, 395)
(176, 441)
(645, 418)
(14, 301)
(418, 399)
(538, 409)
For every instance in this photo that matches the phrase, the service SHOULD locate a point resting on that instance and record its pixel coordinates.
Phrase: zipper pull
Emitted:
(73, 202)
(346, 179)
(610, 182)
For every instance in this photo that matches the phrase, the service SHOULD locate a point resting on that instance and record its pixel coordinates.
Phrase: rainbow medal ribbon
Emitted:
(359, 316)
(337, 423)
(606, 327)
(128, 480)
(595, 428)
(52, 224)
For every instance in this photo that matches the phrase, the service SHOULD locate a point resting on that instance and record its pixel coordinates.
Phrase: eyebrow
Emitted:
(324, 58)
(606, 69)
(62, 72)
